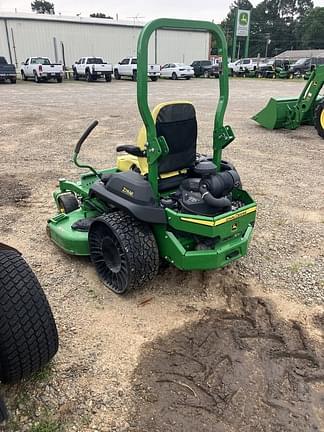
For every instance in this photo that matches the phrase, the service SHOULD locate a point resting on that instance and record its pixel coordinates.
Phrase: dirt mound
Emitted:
(229, 372)
(12, 191)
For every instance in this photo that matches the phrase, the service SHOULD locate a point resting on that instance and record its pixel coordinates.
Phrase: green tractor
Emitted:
(163, 201)
(291, 113)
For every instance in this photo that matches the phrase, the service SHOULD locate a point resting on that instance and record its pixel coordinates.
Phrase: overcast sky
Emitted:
(207, 9)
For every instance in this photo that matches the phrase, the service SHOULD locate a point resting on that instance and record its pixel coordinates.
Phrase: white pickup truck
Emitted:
(128, 68)
(92, 68)
(246, 64)
(41, 69)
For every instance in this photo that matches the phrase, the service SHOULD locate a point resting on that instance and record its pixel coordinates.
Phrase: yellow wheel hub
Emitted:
(322, 119)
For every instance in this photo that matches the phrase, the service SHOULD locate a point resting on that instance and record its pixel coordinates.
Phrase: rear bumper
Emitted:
(207, 259)
(157, 74)
(4, 76)
(101, 73)
(203, 243)
(51, 75)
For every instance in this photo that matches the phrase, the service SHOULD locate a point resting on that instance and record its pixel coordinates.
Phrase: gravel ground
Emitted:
(89, 386)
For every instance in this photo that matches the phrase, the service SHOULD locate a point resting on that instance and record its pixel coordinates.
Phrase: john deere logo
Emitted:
(127, 191)
(234, 227)
(243, 19)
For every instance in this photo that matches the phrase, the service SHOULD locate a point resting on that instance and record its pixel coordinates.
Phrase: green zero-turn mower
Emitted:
(163, 200)
(291, 113)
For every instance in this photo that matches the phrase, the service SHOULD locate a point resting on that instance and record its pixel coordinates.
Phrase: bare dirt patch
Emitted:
(13, 191)
(230, 371)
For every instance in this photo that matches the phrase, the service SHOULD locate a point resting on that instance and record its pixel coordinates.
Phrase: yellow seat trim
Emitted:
(125, 162)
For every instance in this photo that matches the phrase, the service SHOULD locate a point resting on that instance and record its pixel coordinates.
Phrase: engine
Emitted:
(207, 192)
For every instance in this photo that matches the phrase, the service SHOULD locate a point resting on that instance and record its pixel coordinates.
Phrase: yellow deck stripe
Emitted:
(220, 221)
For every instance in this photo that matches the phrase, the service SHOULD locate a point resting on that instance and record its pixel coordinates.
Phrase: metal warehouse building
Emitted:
(66, 39)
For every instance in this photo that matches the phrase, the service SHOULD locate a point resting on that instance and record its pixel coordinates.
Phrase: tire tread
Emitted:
(28, 334)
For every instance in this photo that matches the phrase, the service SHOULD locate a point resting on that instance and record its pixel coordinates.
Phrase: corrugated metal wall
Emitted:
(113, 42)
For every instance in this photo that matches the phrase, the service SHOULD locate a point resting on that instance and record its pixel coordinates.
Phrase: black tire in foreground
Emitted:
(3, 411)
(28, 334)
(319, 119)
(123, 250)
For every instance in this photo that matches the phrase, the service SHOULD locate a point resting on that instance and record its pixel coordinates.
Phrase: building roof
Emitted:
(70, 19)
(297, 54)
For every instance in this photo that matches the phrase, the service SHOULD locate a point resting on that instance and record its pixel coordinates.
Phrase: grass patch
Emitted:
(47, 426)
(296, 266)
(42, 375)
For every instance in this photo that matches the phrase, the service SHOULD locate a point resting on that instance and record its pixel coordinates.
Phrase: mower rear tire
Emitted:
(123, 250)
(319, 119)
(28, 334)
(67, 203)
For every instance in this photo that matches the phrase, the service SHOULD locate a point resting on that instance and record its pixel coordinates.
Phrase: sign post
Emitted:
(242, 29)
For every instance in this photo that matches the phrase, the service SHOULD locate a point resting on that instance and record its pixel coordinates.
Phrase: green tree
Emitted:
(278, 21)
(42, 7)
(312, 29)
(100, 15)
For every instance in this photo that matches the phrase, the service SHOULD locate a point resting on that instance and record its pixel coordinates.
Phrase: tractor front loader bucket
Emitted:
(275, 114)
(293, 112)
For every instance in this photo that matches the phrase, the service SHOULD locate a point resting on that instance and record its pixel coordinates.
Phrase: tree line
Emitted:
(278, 25)
(46, 7)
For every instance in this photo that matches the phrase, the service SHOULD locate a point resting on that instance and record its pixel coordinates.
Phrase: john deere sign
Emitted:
(243, 23)
(241, 29)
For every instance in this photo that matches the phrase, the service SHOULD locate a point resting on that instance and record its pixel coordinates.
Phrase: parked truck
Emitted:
(92, 68)
(41, 69)
(128, 68)
(7, 71)
(205, 68)
(243, 66)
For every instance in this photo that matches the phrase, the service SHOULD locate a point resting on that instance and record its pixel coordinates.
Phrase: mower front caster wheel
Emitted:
(123, 250)
(67, 203)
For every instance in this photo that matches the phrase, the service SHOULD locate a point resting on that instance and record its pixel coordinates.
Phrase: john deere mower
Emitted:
(163, 200)
(291, 113)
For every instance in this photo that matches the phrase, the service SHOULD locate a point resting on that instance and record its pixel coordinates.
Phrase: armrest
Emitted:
(131, 149)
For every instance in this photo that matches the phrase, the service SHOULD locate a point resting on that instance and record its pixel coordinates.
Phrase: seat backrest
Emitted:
(178, 125)
(176, 122)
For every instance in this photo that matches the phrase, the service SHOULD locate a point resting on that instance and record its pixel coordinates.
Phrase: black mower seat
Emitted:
(177, 123)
